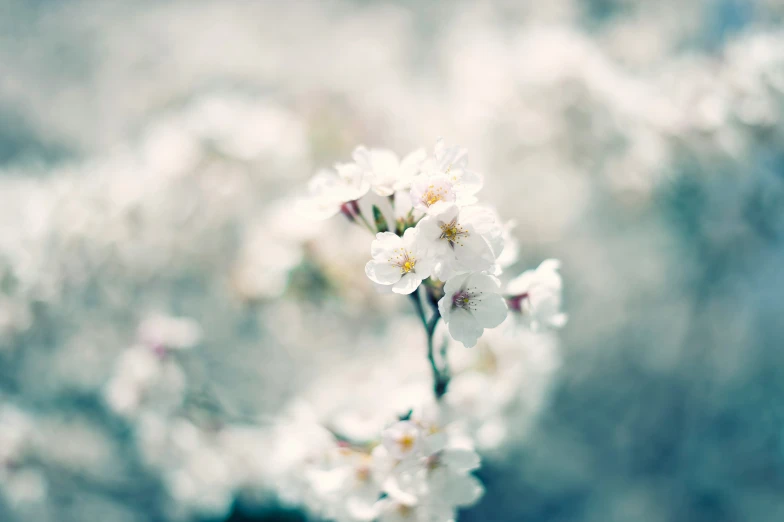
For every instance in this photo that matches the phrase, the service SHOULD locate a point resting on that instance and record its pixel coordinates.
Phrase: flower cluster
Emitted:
(415, 469)
(434, 243)
(429, 231)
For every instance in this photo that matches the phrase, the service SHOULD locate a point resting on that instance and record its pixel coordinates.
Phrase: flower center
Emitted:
(404, 510)
(453, 232)
(363, 474)
(404, 260)
(433, 195)
(463, 299)
(433, 462)
(406, 442)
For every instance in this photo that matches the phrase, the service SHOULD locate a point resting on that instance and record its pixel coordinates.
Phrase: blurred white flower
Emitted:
(398, 261)
(452, 162)
(387, 173)
(401, 508)
(145, 377)
(460, 240)
(402, 440)
(164, 331)
(471, 303)
(329, 190)
(534, 297)
(432, 194)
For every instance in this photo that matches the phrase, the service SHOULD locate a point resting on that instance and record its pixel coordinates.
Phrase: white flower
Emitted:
(511, 250)
(535, 296)
(329, 190)
(471, 303)
(452, 162)
(385, 171)
(434, 481)
(402, 440)
(460, 240)
(398, 261)
(395, 509)
(163, 331)
(432, 194)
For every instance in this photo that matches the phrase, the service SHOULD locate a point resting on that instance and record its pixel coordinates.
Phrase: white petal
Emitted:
(520, 284)
(407, 284)
(463, 327)
(490, 311)
(454, 285)
(382, 247)
(558, 320)
(470, 183)
(474, 253)
(463, 490)
(483, 283)
(413, 160)
(460, 459)
(384, 161)
(382, 273)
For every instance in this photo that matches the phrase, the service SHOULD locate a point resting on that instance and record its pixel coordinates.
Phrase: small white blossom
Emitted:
(402, 440)
(329, 190)
(452, 162)
(435, 478)
(534, 297)
(398, 261)
(460, 240)
(400, 508)
(432, 194)
(386, 172)
(471, 303)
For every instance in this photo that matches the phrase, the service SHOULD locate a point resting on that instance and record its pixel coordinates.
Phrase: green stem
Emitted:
(440, 377)
(365, 222)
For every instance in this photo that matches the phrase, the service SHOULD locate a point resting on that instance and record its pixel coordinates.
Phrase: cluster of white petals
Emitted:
(439, 236)
(434, 243)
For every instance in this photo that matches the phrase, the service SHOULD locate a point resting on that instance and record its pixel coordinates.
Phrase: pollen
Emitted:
(403, 259)
(433, 195)
(406, 442)
(464, 299)
(404, 510)
(453, 232)
(363, 474)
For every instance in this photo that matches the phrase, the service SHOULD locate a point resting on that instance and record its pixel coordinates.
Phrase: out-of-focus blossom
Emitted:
(398, 261)
(388, 173)
(534, 297)
(402, 440)
(452, 162)
(460, 240)
(471, 303)
(329, 190)
(432, 194)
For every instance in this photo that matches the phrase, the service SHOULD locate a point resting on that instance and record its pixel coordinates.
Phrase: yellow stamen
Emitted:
(452, 231)
(406, 442)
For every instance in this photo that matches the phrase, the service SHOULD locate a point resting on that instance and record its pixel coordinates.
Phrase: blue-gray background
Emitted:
(666, 207)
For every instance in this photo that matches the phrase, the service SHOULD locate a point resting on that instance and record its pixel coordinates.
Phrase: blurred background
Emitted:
(149, 152)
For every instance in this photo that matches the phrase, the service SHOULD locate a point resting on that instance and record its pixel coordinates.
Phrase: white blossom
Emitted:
(471, 303)
(452, 162)
(402, 440)
(534, 297)
(329, 190)
(398, 261)
(432, 194)
(386, 172)
(460, 240)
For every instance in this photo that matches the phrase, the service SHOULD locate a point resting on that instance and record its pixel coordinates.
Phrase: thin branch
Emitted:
(418, 307)
(440, 377)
